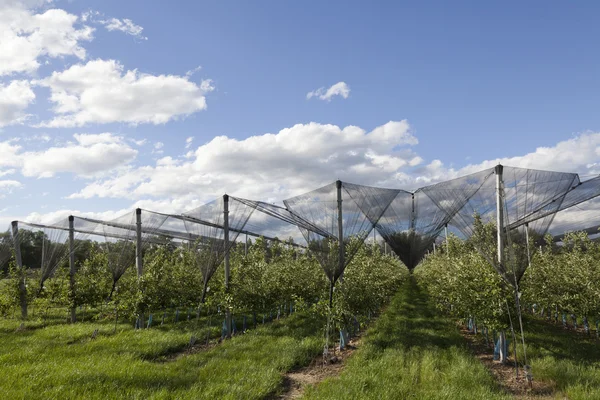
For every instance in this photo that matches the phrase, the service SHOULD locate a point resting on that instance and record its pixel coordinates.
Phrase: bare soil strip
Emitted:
(295, 382)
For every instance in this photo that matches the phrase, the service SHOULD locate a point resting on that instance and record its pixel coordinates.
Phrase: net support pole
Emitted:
(226, 259)
(19, 261)
(500, 213)
(72, 268)
(139, 262)
(447, 243)
(527, 239)
(500, 229)
(341, 261)
(246, 246)
(412, 214)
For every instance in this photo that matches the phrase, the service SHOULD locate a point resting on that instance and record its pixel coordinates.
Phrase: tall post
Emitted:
(226, 258)
(527, 239)
(341, 260)
(19, 261)
(500, 234)
(72, 267)
(447, 242)
(412, 214)
(246, 246)
(500, 213)
(139, 261)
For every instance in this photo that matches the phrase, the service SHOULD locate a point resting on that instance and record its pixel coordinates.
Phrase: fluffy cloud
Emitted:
(89, 155)
(270, 166)
(338, 89)
(579, 154)
(14, 100)
(124, 25)
(27, 36)
(101, 91)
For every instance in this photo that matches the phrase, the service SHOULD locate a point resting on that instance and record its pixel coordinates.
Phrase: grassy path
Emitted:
(411, 353)
(61, 362)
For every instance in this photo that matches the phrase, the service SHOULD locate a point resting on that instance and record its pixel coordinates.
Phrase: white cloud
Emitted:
(268, 166)
(188, 142)
(579, 154)
(14, 100)
(124, 25)
(101, 91)
(8, 186)
(90, 155)
(339, 89)
(27, 36)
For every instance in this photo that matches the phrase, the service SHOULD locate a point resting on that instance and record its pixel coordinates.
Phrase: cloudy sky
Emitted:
(107, 105)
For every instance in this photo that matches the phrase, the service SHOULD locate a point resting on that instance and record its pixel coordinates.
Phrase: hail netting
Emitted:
(206, 225)
(525, 191)
(44, 248)
(411, 224)
(6, 249)
(361, 208)
(117, 238)
(276, 223)
(579, 210)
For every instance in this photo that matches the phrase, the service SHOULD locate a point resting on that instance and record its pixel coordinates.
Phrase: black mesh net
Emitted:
(43, 248)
(209, 238)
(525, 191)
(410, 225)
(361, 208)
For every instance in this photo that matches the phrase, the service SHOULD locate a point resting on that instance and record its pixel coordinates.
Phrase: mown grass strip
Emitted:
(411, 352)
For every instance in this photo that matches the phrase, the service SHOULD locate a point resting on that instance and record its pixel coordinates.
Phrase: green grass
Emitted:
(62, 362)
(411, 352)
(569, 360)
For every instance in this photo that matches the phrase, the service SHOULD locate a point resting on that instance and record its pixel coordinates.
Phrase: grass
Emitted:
(62, 362)
(411, 352)
(570, 361)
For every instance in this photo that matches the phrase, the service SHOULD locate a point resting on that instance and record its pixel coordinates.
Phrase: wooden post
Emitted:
(19, 261)
(226, 258)
(72, 267)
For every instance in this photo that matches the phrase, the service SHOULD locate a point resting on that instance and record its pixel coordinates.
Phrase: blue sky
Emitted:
(467, 84)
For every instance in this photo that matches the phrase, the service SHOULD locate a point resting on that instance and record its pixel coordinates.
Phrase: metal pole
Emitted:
(19, 261)
(72, 267)
(246, 246)
(500, 213)
(447, 243)
(412, 214)
(226, 258)
(527, 239)
(340, 228)
(139, 262)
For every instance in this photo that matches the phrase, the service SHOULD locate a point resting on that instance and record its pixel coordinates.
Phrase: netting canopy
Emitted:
(473, 201)
(332, 222)
(211, 239)
(344, 215)
(411, 224)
